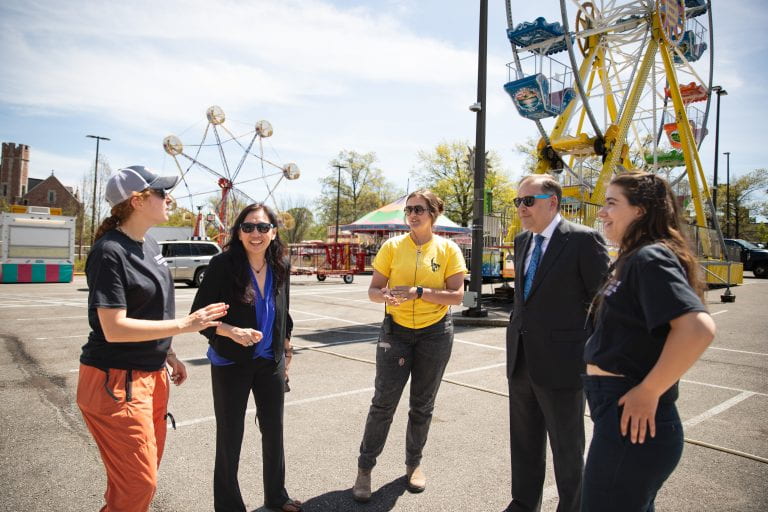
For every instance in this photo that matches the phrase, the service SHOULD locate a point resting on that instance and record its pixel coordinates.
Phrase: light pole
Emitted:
(338, 196)
(720, 92)
(95, 180)
(475, 304)
(728, 194)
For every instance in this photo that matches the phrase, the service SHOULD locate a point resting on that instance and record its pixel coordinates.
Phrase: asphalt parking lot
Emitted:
(49, 461)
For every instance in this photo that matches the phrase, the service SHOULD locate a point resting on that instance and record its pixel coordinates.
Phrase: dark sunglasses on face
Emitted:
(418, 209)
(261, 227)
(160, 192)
(529, 200)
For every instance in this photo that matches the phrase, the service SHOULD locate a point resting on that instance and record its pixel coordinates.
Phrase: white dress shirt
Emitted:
(547, 234)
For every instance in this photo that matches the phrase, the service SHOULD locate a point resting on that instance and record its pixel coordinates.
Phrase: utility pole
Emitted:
(338, 196)
(720, 92)
(95, 180)
(475, 308)
(728, 194)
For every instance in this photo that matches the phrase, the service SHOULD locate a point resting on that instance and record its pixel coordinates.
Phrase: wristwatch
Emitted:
(419, 292)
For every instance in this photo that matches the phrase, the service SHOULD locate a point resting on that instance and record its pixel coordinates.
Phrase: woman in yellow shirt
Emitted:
(417, 276)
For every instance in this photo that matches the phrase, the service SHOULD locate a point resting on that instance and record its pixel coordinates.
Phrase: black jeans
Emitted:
(620, 475)
(421, 354)
(231, 386)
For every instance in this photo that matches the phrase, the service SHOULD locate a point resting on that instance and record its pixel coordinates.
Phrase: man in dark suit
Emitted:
(559, 267)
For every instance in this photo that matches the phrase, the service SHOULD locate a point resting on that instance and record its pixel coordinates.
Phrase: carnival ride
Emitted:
(627, 87)
(238, 183)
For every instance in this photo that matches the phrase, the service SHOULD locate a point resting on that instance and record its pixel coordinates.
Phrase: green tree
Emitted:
(361, 187)
(302, 225)
(448, 171)
(737, 208)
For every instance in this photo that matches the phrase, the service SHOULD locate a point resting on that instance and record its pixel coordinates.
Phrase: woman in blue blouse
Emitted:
(249, 352)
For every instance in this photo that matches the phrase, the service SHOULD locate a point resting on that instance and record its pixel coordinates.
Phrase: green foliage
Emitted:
(447, 170)
(360, 185)
(180, 217)
(303, 224)
(737, 209)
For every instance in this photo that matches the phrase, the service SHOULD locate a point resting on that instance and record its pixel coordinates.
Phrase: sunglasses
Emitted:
(261, 227)
(529, 200)
(418, 209)
(162, 194)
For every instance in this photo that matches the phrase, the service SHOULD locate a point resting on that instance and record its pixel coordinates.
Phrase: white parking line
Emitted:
(324, 317)
(38, 318)
(705, 384)
(718, 312)
(738, 351)
(718, 409)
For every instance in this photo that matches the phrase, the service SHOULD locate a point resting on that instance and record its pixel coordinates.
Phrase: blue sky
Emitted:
(389, 76)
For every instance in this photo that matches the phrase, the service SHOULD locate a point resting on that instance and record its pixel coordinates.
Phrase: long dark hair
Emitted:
(119, 214)
(660, 222)
(275, 254)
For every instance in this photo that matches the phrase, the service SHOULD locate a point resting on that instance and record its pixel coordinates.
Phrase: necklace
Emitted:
(120, 229)
(258, 271)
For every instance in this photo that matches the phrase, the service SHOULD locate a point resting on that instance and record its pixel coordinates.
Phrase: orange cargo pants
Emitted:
(125, 412)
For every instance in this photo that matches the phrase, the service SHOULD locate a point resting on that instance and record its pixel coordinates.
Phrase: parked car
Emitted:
(753, 257)
(188, 259)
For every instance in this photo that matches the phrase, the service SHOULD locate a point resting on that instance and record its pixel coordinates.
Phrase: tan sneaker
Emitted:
(362, 489)
(417, 481)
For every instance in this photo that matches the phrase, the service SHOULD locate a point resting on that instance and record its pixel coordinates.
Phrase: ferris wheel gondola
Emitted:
(624, 84)
(231, 180)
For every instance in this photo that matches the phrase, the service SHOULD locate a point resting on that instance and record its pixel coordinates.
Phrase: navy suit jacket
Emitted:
(552, 324)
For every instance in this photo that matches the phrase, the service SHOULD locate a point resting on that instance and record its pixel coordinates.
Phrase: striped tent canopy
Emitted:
(390, 218)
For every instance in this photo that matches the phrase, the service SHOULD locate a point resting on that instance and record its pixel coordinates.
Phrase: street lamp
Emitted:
(95, 180)
(720, 92)
(728, 194)
(338, 195)
(473, 298)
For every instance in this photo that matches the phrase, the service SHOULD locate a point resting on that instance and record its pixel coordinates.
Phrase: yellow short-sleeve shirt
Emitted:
(404, 264)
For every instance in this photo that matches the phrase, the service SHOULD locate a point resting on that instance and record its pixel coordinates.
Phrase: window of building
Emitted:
(23, 190)
(5, 190)
(51, 196)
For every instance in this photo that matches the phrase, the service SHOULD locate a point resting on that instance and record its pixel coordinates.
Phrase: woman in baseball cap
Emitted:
(123, 383)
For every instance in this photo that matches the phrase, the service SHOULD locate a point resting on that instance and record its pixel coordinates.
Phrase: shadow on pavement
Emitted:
(382, 500)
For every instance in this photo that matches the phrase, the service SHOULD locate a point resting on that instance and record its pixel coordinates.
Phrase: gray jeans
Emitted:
(421, 354)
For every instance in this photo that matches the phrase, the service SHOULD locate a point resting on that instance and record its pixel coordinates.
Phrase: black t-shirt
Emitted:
(130, 275)
(637, 306)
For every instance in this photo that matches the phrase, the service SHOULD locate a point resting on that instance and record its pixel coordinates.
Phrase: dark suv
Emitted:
(188, 259)
(753, 257)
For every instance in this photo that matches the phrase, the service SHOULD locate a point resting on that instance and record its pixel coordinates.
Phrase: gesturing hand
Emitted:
(245, 337)
(204, 317)
(390, 297)
(638, 416)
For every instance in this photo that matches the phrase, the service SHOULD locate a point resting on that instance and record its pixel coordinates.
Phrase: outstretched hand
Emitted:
(204, 317)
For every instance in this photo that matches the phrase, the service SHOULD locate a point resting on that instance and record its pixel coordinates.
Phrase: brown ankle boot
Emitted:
(417, 481)
(362, 489)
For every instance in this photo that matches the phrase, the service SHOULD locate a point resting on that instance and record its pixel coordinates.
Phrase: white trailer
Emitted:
(36, 246)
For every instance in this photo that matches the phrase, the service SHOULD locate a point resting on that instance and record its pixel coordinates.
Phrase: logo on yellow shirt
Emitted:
(435, 266)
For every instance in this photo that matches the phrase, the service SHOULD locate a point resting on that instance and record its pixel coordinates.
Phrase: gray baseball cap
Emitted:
(135, 178)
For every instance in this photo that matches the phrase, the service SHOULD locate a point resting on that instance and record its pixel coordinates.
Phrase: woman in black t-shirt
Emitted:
(650, 327)
(122, 388)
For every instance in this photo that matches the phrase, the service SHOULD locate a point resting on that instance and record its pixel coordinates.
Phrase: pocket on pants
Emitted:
(606, 416)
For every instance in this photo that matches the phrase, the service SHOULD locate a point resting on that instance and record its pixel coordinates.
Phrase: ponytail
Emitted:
(119, 214)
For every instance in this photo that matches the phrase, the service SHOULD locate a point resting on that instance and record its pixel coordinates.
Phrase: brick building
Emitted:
(14, 172)
(16, 187)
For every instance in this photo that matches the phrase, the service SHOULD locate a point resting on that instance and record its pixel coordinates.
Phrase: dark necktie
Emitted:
(530, 272)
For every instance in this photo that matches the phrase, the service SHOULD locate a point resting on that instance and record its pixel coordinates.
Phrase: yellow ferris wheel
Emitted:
(617, 84)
